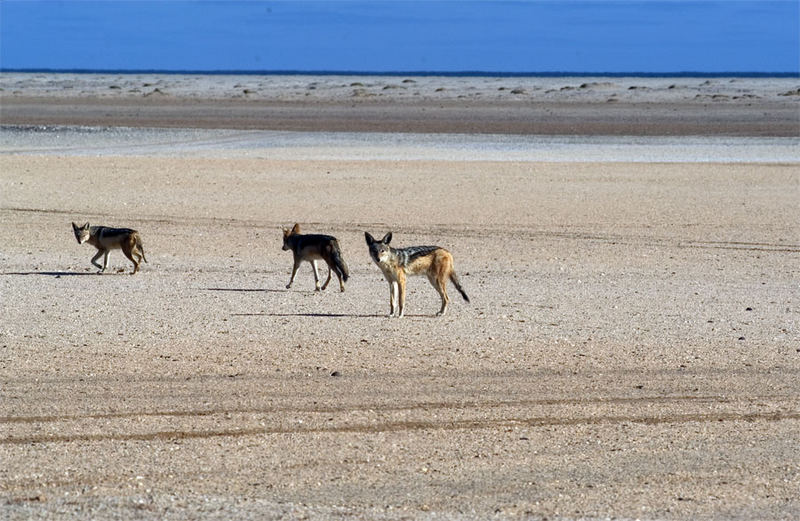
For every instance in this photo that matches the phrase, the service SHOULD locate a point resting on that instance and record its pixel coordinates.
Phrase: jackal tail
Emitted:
(457, 284)
(138, 240)
(336, 256)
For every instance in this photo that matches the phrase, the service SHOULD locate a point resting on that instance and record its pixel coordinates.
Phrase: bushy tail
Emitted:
(138, 240)
(457, 284)
(336, 255)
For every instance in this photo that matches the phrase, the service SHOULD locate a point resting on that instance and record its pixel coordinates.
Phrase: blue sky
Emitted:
(649, 36)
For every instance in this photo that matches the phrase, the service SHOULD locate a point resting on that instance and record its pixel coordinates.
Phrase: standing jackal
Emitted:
(106, 239)
(312, 248)
(396, 264)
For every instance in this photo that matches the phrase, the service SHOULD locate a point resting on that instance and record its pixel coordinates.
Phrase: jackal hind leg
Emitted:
(328, 280)
(130, 252)
(333, 267)
(340, 276)
(316, 276)
(440, 283)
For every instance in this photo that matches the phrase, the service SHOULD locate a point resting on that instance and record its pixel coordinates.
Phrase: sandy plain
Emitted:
(631, 351)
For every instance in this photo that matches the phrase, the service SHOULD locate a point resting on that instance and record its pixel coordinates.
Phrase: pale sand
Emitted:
(631, 349)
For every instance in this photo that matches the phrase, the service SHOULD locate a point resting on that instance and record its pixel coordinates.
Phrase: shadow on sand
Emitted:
(322, 315)
(55, 274)
(248, 290)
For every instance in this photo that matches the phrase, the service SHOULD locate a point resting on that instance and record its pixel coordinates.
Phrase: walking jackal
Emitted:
(312, 248)
(106, 239)
(434, 262)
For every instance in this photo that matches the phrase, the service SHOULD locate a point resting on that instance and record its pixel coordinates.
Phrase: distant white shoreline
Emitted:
(354, 146)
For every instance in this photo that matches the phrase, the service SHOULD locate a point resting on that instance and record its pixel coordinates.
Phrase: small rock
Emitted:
(336, 373)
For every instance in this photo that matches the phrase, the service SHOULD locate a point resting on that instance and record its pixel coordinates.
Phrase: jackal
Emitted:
(106, 239)
(396, 264)
(312, 248)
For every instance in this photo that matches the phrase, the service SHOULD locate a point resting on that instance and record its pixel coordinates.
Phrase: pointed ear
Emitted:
(74, 226)
(286, 232)
(370, 239)
(85, 226)
(387, 238)
(295, 229)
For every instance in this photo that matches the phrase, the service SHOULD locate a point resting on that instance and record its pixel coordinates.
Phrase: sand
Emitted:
(631, 349)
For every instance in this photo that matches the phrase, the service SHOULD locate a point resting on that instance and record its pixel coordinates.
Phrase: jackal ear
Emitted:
(85, 226)
(370, 239)
(295, 229)
(387, 238)
(74, 226)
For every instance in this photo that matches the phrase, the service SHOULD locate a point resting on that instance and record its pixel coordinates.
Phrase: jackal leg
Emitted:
(340, 276)
(392, 296)
(440, 284)
(130, 252)
(329, 278)
(401, 294)
(294, 272)
(100, 253)
(316, 275)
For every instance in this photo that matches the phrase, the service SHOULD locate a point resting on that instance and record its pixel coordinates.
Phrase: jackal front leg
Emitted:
(401, 295)
(294, 272)
(392, 297)
(105, 261)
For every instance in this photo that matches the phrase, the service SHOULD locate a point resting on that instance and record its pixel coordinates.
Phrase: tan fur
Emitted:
(437, 266)
(131, 250)
(127, 240)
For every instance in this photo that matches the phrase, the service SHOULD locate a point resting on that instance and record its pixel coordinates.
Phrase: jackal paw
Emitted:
(288, 286)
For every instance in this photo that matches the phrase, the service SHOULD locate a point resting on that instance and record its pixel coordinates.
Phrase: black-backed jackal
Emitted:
(434, 262)
(311, 248)
(106, 239)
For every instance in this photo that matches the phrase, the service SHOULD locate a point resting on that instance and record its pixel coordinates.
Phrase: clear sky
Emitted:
(651, 36)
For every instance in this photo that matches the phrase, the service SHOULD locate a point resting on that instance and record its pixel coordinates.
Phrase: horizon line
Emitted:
(422, 73)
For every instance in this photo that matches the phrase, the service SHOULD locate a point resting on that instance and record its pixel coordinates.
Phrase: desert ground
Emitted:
(631, 349)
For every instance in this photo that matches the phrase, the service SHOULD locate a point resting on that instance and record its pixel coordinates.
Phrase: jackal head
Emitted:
(379, 250)
(288, 233)
(81, 232)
